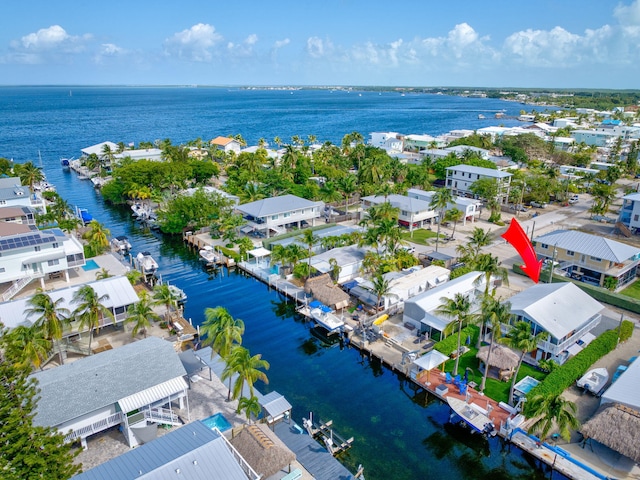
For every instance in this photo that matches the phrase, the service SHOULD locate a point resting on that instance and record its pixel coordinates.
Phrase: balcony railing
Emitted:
(94, 427)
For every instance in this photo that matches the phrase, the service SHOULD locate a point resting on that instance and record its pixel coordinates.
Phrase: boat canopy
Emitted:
(318, 304)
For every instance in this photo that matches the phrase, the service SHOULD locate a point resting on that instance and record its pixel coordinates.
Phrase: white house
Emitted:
(154, 154)
(563, 310)
(420, 311)
(226, 144)
(278, 212)
(417, 280)
(389, 141)
(630, 211)
(626, 389)
(348, 258)
(28, 253)
(593, 137)
(468, 206)
(133, 386)
(461, 177)
(413, 212)
(14, 194)
(99, 149)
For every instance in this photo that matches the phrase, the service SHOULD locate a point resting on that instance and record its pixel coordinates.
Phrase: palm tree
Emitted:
(30, 174)
(134, 276)
(347, 186)
(520, 338)
(309, 239)
(380, 288)
(90, 310)
(141, 314)
(440, 200)
(163, 295)
(553, 410)
(479, 238)
(26, 345)
(221, 331)
(249, 369)
(102, 274)
(251, 406)
(496, 313)
(51, 318)
(330, 194)
(454, 215)
(490, 266)
(98, 236)
(458, 308)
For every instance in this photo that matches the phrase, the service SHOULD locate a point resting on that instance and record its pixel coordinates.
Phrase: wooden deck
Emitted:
(312, 456)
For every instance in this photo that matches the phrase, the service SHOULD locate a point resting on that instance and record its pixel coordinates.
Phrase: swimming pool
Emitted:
(217, 421)
(525, 385)
(90, 265)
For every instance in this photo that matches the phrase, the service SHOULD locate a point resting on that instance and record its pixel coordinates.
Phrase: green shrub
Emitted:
(626, 330)
(449, 344)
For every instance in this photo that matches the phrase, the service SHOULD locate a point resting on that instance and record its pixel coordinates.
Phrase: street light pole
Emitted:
(553, 261)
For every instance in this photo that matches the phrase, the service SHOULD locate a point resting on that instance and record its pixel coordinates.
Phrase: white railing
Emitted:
(162, 415)
(16, 287)
(246, 468)
(558, 349)
(95, 427)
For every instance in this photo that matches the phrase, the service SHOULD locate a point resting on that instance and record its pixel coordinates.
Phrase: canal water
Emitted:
(399, 433)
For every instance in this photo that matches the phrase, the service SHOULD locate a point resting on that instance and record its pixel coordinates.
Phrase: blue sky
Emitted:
(491, 43)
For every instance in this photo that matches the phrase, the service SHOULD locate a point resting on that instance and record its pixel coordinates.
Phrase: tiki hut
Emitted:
(325, 291)
(502, 361)
(263, 450)
(617, 427)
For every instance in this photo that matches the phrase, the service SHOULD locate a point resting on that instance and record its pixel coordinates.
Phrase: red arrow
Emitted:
(516, 237)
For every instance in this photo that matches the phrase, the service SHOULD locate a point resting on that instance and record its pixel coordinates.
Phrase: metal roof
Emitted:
(275, 404)
(626, 389)
(276, 205)
(559, 308)
(193, 451)
(409, 204)
(591, 245)
(88, 384)
(487, 172)
(153, 394)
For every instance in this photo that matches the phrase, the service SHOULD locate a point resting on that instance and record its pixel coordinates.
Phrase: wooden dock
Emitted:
(324, 433)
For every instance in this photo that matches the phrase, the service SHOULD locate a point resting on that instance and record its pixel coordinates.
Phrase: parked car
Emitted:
(519, 208)
(573, 200)
(408, 248)
(538, 204)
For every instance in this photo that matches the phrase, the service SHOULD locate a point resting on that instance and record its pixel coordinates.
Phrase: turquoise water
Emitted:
(90, 265)
(526, 384)
(217, 420)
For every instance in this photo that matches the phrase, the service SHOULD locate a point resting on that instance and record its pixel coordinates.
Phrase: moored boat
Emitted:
(121, 244)
(324, 317)
(84, 215)
(146, 263)
(209, 256)
(594, 380)
(179, 294)
(473, 415)
(65, 163)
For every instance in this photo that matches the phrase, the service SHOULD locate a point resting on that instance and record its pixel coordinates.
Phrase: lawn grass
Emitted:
(495, 389)
(632, 291)
(420, 236)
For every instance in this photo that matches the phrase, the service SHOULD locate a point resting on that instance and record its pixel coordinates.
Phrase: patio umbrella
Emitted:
(431, 360)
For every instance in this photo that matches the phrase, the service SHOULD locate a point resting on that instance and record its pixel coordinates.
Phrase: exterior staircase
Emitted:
(162, 415)
(16, 287)
(624, 230)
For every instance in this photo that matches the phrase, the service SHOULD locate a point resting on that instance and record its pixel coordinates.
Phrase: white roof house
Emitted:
(421, 309)
(413, 212)
(98, 149)
(96, 392)
(277, 212)
(460, 178)
(418, 281)
(561, 309)
(348, 258)
(470, 207)
(626, 389)
(154, 154)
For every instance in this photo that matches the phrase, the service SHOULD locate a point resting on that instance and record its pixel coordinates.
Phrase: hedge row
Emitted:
(563, 376)
(449, 344)
(600, 294)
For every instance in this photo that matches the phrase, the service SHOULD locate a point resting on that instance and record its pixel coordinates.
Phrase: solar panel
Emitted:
(25, 241)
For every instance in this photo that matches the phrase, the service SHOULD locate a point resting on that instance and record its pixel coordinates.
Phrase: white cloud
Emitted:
(46, 43)
(318, 48)
(194, 44)
(281, 43)
(244, 49)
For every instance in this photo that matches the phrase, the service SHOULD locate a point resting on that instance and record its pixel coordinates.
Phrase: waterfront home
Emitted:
(14, 194)
(134, 386)
(420, 311)
(99, 150)
(120, 294)
(20, 215)
(392, 142)
(470, 207)
(590, 258)
(630, 212)
(153, 154)
(413, 213)
(421, 142)
(277, 213)
(593, 138)
(327, 292)
(348, 259)
(562, 310)
(460, 178)
(226, 144)
(28, 254)
(193, 451)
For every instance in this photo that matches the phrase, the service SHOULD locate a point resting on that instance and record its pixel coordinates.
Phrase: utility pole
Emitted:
(553, 261)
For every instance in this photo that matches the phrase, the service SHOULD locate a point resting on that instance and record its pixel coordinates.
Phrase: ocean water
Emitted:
(399, 433)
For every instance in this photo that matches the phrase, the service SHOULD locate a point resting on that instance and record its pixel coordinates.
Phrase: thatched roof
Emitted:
(324, 290)
(502, 357)
(263, 450)
(617, 427)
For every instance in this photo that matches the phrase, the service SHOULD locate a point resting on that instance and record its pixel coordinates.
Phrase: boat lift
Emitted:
(332, 441)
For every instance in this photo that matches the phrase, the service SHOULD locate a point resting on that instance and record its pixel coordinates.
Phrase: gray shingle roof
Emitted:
(276, 205)
(591, 245)
(74, 389)
(196, 451)
(559, 308)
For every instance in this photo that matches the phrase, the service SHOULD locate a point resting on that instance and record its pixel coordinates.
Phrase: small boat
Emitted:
(84, 215)
(65, 163)
(481, 117)
(473, 415)
(179, 294)
(594, 380)
(121, 244)
(146, 263)
(209, 256)
(325, 318)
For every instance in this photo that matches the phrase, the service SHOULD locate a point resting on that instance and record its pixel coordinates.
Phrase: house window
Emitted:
(544, 245)
(2, 270)
(36, 248)
(570, 253)
(3, 202)
(286, 214)
(596, 259)
(404, 213)
(636, 218)
(55, 245)
(274, 217)
(51, 263)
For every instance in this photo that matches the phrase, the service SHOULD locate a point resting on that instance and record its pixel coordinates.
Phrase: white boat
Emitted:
(594, 380)
(146, 263)
(121, 244)
(65, 163)
(208, 255)
(481, 116)
(473, 415)
(179, 294)
(326, 319)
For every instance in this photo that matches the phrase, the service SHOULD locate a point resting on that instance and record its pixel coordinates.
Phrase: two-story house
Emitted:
(274, 214)
(461, 177)
(470, 207)
(630, 211)
(413, 212)
(589, 258)
(562, 310)
(226, 144)
(389, 141)
(14, 194)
